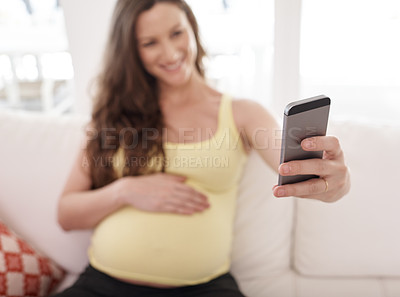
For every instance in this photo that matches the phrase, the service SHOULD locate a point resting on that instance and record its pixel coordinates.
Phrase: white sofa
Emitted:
(282, 247)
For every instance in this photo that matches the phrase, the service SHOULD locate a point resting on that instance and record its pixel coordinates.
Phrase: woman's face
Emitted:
(166, 44)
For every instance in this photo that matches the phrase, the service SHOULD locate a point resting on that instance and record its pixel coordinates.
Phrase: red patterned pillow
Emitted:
(23, 270)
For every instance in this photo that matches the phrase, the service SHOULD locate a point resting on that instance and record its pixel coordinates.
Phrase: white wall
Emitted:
(87, 25)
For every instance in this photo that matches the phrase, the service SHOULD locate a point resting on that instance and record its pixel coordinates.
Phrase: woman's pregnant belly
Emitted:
(164, 248)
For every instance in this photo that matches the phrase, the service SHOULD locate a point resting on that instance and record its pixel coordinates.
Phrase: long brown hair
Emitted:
(126, 106)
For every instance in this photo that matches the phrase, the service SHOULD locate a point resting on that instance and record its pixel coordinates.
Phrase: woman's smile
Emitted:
(173, 67)
(167, 45)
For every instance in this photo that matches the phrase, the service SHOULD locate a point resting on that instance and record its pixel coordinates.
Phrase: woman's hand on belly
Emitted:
(161, 192)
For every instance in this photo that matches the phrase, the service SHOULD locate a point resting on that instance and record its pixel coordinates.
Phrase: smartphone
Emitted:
(302, 119)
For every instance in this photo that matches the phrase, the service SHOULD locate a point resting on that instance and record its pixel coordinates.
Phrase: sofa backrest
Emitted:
(358, 235)
(37, 152)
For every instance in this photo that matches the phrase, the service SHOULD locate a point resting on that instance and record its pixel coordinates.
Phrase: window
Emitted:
(347, 50)
(350, 51)
(35, 66)
(238, 36)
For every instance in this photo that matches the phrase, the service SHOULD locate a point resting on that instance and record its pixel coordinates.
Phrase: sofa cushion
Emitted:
(37, 154)
(358, 235)
(263, 225)
(339, 287)
(23, 270)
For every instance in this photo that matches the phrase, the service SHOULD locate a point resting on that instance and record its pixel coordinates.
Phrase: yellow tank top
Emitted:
(173, 249)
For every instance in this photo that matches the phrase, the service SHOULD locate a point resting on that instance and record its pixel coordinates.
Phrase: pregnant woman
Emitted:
(164, 153)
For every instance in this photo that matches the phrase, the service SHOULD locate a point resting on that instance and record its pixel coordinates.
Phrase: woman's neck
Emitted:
(191, 90)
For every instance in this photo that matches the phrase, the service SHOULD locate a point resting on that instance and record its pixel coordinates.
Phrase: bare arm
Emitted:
(262, 132)
(80, 207)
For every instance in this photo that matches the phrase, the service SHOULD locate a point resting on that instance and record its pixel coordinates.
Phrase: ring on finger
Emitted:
(326, 184)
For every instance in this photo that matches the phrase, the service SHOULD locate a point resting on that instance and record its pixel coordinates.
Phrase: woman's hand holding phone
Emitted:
(312, 164)
(334, 178)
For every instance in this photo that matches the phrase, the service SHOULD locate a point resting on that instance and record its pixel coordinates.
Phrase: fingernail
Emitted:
(285, 168)
(281, 193)
(309, 144)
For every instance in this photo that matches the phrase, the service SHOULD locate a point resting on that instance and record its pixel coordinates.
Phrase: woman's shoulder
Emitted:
(248, 104)
(246, 111)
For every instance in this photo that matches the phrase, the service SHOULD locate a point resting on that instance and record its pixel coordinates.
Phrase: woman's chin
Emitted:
(177, 82)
